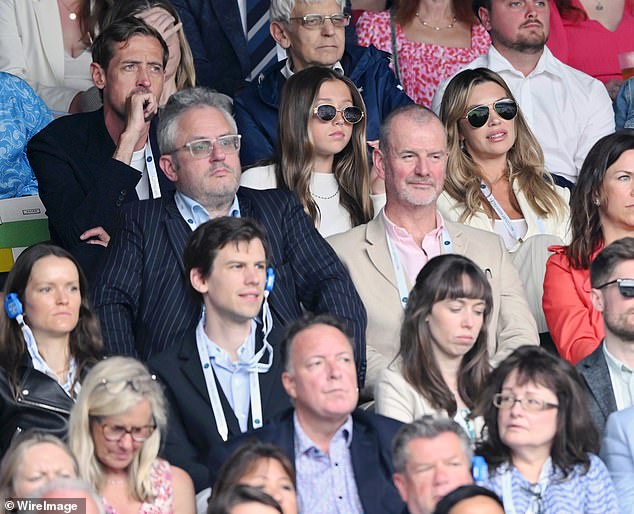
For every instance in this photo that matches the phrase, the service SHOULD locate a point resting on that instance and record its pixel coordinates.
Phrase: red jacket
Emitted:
(576, 328)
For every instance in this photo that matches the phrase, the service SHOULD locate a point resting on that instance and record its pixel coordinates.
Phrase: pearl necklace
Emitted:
(72, 14)
(325, 197)
(430, 26)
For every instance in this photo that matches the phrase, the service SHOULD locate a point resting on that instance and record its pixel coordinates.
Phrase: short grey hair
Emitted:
(426, 427)
(280, 10)
(420, 114)
(70, 484)
(184, 100)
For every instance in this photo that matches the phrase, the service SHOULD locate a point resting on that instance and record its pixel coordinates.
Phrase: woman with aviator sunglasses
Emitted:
(496, 179)
(601, 212)
(321, 150)
(115, 433)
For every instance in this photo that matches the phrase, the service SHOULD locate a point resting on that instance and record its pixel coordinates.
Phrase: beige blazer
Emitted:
(32, 47)
(396, 398)
(364, 252)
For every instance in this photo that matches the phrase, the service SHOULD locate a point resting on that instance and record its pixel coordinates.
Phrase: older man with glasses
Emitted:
(141, 292)
(313, 34)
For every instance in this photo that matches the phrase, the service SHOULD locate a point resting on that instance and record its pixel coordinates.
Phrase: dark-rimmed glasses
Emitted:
(314, 21)
(138, 384)
(351, 114)
(114, 433)
(477, 116)
(201, 148)
(626, 286)
(506, 401)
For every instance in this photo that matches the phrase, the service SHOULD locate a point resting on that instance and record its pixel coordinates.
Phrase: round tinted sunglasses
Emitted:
(477, 116)
(351, 114)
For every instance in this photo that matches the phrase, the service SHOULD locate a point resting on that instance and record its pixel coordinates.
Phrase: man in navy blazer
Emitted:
(607, 371)
(141, 292)
(208, 377)
(342, 456)
(88, 165)
(617, 451)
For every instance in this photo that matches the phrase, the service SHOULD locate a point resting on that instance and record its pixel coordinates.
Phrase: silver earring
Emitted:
(597, 202)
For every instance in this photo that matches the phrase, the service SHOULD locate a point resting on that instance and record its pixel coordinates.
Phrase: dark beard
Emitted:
(522, 45)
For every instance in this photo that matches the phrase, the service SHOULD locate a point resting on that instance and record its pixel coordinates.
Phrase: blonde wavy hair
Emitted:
(525, 159)
(96, 401)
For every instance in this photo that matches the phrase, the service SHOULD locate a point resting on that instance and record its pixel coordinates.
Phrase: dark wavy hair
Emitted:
(445, 277)
(296, 151)
(576, 435)
(587, 233)
(85, 339)
(244, 460)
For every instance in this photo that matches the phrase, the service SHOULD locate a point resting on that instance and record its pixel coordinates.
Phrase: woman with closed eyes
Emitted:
(322, 150)
(496, 179)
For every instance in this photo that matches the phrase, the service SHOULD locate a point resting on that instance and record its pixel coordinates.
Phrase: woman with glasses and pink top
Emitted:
(115, 433)
(541, 441)
(496, 179)
(602, 211)
(322, 152)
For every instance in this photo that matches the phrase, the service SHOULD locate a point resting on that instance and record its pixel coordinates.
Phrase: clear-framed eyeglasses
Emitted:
(201, 148)
(506, 401)
(138, 384)
(314, 21)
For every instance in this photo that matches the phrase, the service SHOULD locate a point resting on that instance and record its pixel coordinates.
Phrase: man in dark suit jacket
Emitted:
(342, 455)
(84, 162)
(607, 371)
(141, 293)
(207, 375)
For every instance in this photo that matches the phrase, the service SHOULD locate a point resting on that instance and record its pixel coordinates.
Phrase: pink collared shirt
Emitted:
(414, 257)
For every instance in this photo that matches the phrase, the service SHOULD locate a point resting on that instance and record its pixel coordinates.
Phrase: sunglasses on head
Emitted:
(626, 286)
(351, 114)
(477, 116)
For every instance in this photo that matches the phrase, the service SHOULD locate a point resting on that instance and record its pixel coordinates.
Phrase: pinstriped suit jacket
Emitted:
(142, 295)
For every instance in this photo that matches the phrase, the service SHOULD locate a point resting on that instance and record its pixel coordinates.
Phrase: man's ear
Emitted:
(98, 75)
(485, 18)
(280, 34)
(378, 160)
(399, 482)
(288, 381)
(598, 302)
(168, 164)
(198, 281)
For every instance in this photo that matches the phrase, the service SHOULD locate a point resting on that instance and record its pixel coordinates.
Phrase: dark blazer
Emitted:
(80, 184)
(143, 298)
(192, 431)
(596, 377)
(370, 453)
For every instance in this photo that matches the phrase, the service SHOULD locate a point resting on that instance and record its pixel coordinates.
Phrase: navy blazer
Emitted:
(143, 297)
(370, 452)
(596, 377)
(80, 184)
(192, 433)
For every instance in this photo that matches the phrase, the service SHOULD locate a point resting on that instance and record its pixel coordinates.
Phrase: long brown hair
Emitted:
(585, 223)
(448, 276)
(85, 338)
(525, 158)
(296, 152)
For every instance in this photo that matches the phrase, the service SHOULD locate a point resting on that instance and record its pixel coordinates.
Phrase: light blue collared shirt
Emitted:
(325, 481)
(195, 214)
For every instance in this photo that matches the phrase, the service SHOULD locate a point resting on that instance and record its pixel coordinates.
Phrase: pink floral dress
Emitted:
(422, 65)
(161, 478)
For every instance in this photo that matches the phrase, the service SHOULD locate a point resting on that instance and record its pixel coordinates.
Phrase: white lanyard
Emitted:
(254, 369)
(533, 506)
(399, 272)
(151, 171)
(486, 191)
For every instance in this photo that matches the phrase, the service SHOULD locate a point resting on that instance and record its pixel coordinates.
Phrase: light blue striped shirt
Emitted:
(590, 493)
(195, 214)
(325, 481)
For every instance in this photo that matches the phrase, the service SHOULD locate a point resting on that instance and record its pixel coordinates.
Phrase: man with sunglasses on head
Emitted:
(313, 34)
(608, 372)
(141, 292)
(385, 256)
(567, 110)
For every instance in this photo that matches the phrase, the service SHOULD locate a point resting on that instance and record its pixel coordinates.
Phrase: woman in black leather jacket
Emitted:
(49, 337)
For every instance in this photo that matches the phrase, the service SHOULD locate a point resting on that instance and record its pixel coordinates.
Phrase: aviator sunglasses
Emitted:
(477, 116)
(326, 112)
(626, 286)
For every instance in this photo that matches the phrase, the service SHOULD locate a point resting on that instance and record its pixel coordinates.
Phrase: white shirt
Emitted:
(567, 110)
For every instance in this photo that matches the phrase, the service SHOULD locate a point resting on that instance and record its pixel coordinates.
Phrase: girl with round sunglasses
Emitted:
(321, 150)
(496, 179)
